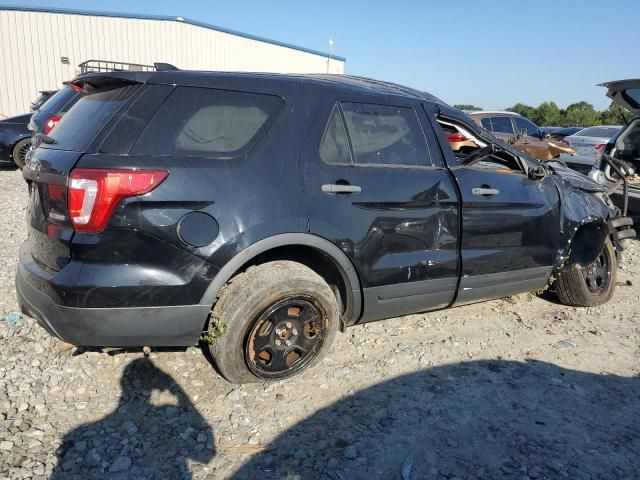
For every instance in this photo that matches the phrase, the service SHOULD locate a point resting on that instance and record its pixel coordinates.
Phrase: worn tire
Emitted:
(16, 152)
(571, 286)
(248, 295)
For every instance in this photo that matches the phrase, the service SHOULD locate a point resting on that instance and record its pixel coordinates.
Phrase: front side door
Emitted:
(376, 190)
(510, 227)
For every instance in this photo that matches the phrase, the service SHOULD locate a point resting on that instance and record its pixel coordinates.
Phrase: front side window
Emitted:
(501, 125)
(205, 122)
(486, 123)
(526, 125)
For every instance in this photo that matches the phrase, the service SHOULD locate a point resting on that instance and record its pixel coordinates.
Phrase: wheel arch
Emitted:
(315, 252)
(587, 241)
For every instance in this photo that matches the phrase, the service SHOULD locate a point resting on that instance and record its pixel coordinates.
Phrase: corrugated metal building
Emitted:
(40, 48)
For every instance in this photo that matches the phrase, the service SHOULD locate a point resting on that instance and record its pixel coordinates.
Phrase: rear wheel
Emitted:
(590, 285)
(19, 153)
(273, 320)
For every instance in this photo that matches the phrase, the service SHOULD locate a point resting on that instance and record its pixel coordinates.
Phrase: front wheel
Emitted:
(272, 321)
(590, 285)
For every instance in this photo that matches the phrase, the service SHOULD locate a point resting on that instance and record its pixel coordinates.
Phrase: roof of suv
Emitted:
(493, 112)
(347, 82)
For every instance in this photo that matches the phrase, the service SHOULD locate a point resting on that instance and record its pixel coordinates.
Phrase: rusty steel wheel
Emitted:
(279, 318)
(285, 338)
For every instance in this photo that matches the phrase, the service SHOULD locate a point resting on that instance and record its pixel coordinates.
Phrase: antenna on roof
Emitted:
(329, 54)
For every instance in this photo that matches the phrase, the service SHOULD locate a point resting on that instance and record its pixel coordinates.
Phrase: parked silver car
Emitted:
(588, 144)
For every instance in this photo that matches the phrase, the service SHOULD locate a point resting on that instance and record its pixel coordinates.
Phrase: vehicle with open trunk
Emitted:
(617, 165)
(262, 213)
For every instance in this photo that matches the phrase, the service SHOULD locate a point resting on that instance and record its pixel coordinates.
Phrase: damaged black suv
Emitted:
(263, 212)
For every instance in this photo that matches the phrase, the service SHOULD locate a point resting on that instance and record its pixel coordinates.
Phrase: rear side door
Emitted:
(531, 141)
(379, 192)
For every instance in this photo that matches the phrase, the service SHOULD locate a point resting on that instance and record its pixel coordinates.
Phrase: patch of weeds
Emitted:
(216, 329)
(537, 293)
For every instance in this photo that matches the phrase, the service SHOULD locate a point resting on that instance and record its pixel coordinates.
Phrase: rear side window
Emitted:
(80, 126)
(205, 122)
(377, 135)
(385, 135)
(334, 147)
(501, 125)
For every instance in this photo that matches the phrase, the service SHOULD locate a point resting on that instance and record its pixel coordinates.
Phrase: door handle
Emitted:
(525, 142)
(485, 191)
(337, 188)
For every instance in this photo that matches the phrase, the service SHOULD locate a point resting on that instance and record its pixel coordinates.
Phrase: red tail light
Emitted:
(455, 137)
(50, 123)
(599, 151)
(93, 194)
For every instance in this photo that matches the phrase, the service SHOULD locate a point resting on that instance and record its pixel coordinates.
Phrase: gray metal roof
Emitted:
(66, 11)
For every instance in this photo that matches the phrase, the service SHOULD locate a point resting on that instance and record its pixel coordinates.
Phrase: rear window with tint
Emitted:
(82, 123)
(603, 132)
(633, 95)
(204, 122)
(58, 101)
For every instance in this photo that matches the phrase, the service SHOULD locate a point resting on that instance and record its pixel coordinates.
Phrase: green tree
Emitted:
(614, 115)
(524, 110)
(464, 106)
(581, 114)
(548, 114)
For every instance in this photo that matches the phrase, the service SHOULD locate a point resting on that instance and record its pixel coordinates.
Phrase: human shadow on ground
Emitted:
(479, 419)
(139, 439)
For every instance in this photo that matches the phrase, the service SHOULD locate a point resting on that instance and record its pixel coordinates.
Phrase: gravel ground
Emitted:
(518, 388)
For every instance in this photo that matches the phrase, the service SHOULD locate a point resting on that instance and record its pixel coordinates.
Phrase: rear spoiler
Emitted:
(87, 82)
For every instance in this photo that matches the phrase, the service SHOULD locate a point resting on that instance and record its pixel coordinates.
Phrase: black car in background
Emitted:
(559, 133)
(17, 134)
(262, 213)
(15, 140)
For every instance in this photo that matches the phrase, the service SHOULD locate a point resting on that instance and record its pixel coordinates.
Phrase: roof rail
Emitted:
(89, 66)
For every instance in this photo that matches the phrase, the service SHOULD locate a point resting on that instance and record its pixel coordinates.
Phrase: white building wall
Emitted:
(32, 44)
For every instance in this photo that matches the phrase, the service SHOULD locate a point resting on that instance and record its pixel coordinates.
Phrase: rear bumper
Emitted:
(110, 327)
